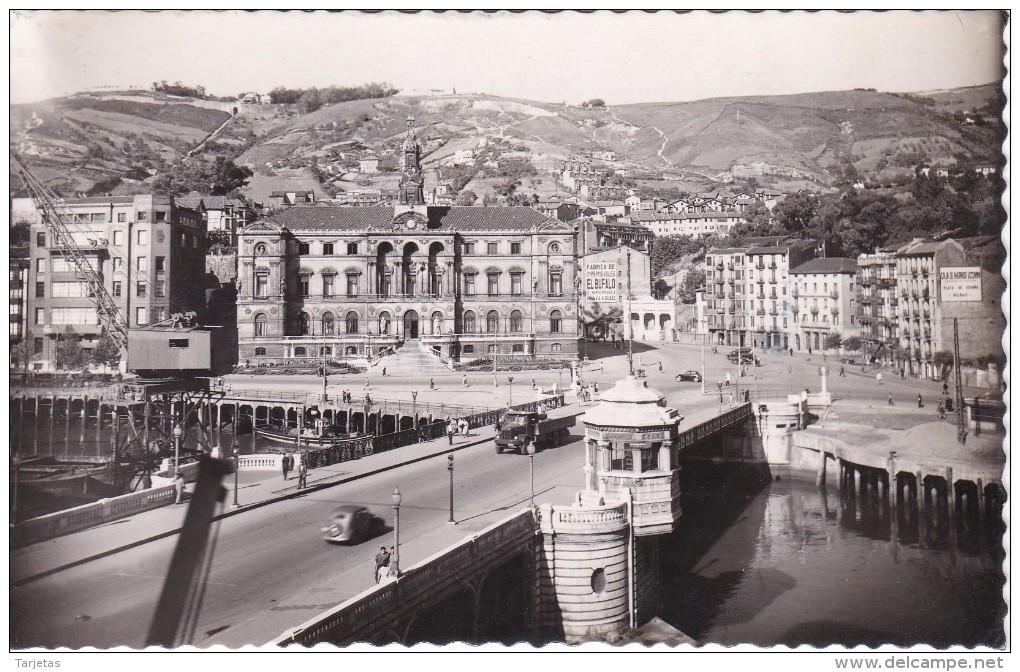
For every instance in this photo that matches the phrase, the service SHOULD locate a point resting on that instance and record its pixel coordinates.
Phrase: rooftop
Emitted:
(827, 265)
(450, 218)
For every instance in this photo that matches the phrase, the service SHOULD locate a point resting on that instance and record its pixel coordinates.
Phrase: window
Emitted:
(492, 322)
(492, 350)
(37, 346)
(469, 248)
(261, 325)
(178, 343)
(468, 349)
(518, 349)
(260, 352)
(121, 218)
(300, 351)
(142, 290)
(352, 285)
(555, 322)
(142, 215)
(261, 248)
(141, 315)
(40, 265)
(469, 284)
(63, 290)
(160, 288)
(493, 284)
(40, 239)
(304, 324)
(470, 326)
(118, 264)
(40, 316)
(621, 459)
(516, 321)
(328, 282)
(516, 284)
(302, 249)
(352, 248)
(40, 290)
(142, 264)
(160, 216)
(194, 242)
(118, 288)
(327, 324)
(556, 284)
(143, 235)
(327, 248)
(515, 248)
(160, 264)
(303, 285)
(351, 322)
(556, 347)
(492, 248)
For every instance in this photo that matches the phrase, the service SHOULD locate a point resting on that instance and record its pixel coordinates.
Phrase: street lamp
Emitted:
(510, 381)
(236, 448)
(531, 458)
(449, 465)
(178, 433)
(395, 562)
(414, 408)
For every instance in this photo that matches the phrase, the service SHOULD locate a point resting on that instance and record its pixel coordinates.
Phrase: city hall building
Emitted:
(467, 281)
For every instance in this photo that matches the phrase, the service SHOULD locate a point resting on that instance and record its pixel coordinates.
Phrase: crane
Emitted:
(110, 317)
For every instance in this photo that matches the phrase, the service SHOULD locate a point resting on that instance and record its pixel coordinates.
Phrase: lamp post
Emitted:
(236, 449)
(449, 466)
(178, 433)
(395, 561)
(510, 381)
(531, 458)
(16, 464)
(414, 408)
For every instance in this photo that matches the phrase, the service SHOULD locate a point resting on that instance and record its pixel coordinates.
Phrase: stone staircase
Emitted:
(411, 359)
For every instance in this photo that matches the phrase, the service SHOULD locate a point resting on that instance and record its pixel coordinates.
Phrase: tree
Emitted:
(852, 343)
(22, 353)
(220, 177)
(693, 281)
(70, 355)
(660, 289)
(943, 359)
(467, 197)
(833, 341)
(106, 352)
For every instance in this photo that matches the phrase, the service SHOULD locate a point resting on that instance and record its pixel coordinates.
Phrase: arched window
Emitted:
(492, 322)
(470, 326)
(261, 325)
(516, 321)
(327, 324)
(384, 322)
(304, 324)
(352, 322)
(555, 322)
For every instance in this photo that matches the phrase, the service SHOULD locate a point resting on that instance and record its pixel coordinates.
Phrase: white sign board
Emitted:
(960, 283)
(601, 282)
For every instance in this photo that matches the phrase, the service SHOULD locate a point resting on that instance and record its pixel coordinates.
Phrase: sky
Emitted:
(560, 57)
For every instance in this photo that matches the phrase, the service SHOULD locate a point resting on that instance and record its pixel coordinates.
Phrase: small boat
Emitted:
(320, 435)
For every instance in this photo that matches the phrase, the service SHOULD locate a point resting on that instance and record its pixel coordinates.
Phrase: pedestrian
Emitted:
(533, 386)
(942, 411)
(464, 380)
(286, 465)
(842, 371)
(366, 383)
(449, 430)
(464, 425)
(903, 373)
(890, 400)
(791, 351)
(432, 383)
(382, 560)
(421, 434)
(920, 402)
(384, 370)
(945, 387)
(391, 568)
(727, 379)
(146, 481)
(660, 366)
(179, 485)
(302, 472)
(878, 377)
(747, 396)
(595, 387)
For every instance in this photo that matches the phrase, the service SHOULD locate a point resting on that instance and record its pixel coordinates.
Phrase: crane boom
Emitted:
(110, 317)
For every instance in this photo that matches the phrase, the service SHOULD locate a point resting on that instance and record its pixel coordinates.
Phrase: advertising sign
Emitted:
(601, 282)
(960, 283)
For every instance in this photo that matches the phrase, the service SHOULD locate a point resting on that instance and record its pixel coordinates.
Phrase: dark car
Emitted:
(692, 376)
(351, 523)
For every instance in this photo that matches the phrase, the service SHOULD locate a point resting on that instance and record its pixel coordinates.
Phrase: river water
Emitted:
(789, 564)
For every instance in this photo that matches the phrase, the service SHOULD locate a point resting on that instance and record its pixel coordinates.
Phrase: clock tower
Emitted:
(412, 184)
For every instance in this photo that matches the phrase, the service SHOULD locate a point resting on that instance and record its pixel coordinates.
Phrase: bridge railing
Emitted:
(422, 582)
(713, 425)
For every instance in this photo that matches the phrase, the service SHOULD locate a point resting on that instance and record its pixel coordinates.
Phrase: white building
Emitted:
(824, 301)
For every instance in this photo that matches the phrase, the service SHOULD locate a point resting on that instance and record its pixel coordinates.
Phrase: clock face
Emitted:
(411, 223)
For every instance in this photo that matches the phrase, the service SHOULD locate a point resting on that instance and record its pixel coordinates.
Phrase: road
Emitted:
(270, 569)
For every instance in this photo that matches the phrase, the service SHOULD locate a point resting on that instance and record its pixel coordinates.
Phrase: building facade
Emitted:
(350, 282)
(617, 283)
(824, 301)
(878, 304)
(149, 251)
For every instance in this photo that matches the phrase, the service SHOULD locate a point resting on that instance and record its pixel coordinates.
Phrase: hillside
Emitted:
(789, 142)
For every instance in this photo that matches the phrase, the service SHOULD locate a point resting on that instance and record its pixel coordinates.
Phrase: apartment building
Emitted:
(878, 304)
(824, 301)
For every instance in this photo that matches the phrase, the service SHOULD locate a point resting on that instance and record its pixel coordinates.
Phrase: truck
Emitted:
(517, 428)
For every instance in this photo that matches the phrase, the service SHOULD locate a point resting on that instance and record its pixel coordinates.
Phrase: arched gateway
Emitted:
(411, 324)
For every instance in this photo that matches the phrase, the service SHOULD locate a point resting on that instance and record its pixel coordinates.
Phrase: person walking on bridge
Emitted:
(302, 472)
(179, 486)
(382, 560)
(286, 464)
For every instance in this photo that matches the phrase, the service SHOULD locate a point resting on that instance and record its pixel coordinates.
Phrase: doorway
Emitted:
(411, 325)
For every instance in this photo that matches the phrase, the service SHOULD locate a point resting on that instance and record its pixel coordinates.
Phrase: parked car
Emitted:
(692, 376)
(351, 523)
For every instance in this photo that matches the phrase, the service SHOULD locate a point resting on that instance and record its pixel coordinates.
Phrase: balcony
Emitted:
(834, 295)
(760, 266)
(760, 311)
(760, 281)
(773, 295)
(773, 266)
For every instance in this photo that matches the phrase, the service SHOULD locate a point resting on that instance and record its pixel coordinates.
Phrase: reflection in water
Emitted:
(796, 564)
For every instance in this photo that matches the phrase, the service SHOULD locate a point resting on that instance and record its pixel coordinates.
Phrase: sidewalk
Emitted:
(255, 489)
